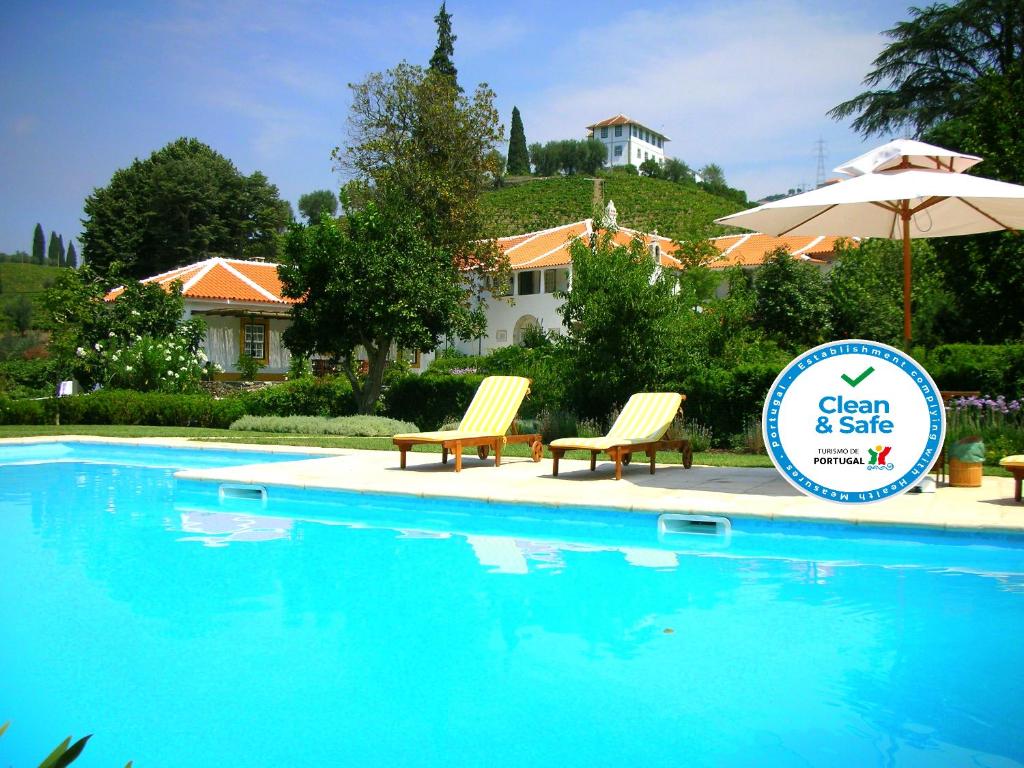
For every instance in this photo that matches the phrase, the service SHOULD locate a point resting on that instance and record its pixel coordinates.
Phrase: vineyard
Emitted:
(646, 204)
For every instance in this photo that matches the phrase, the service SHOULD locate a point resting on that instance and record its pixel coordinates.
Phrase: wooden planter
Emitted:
(963, 474)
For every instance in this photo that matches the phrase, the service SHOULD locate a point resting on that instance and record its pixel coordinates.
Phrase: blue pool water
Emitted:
(183, 629)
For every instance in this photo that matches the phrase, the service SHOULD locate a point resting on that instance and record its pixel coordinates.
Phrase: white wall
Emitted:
(633, 146)
(222, 345)
(503, 313)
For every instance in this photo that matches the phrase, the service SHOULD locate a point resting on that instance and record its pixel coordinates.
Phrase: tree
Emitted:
(621, 318)
(651, 168)
(90, 338)
(415, 137)
(39, 246)
(792, 303)
(55, 250)
(677, 171)
(441, 62)
(184, 203)
(368, 283)
(930, 70)
(313, 204)
(20, 312)
(954, 74)
(713, 176)
(518, 158)
(71, 259)
(568, 157)
(865, 289)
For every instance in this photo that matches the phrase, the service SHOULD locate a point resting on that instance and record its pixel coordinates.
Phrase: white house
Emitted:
(244, 311)
(541, 264)
(627, 141)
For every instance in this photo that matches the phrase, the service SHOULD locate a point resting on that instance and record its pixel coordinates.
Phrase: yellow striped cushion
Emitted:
(647, 416)
(439, 437)
(594, 443)
(495, 405)
(1012, 461)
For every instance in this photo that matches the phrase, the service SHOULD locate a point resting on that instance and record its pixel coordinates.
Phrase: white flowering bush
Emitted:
(170, 364)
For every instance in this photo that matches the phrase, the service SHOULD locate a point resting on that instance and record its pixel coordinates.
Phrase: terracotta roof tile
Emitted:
(550, 247)
(217, 279)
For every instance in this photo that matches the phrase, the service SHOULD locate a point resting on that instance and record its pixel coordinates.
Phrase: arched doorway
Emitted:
(523, 324)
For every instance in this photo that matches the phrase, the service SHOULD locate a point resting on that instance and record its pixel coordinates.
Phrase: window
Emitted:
(618, 130)
(645, 155)
(556, 280)
(499, 287)
(254, 339)
(604, 133)
(638, 153)
(632, 130)
(618, 150)
(528, 283)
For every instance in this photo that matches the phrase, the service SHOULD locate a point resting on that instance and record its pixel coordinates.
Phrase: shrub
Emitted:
(430, 400)
(977, 367)
(248, 367)
(350, 426)
(555, 424)
(328, 396)
(700, 436)
(725, 399)
(27, 378)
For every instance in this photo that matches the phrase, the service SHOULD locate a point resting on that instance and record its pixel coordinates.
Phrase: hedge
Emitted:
(303, 397)
(430, 400)
(726, 399)
(992, 369)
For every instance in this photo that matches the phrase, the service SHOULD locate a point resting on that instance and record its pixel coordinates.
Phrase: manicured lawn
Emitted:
(712, 458)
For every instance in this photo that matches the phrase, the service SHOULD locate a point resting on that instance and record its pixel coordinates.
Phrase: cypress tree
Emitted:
(71, 259)
(518, 158)
(53, 251)
(441, 62)
(38, 245)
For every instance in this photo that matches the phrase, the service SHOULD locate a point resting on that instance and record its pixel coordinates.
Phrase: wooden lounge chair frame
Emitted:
(622, 454)
(483, 445)
(481, 436)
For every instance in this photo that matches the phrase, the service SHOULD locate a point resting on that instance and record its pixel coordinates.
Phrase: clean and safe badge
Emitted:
(854, 422)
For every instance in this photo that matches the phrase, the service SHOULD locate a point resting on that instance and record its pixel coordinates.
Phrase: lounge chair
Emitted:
(484, 426)
(1016, 466)
(640, 427)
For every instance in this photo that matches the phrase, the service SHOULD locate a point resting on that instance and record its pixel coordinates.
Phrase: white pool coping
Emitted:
(730, 491)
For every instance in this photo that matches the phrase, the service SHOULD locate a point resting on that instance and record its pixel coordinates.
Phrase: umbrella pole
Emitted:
(905, 215)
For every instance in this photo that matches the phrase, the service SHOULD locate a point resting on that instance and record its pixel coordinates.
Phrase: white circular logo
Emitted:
(854, 422)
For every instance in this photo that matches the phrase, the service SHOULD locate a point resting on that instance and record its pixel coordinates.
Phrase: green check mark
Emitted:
(859, 379)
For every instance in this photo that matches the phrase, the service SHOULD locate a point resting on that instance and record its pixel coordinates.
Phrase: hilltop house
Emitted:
(627, 141)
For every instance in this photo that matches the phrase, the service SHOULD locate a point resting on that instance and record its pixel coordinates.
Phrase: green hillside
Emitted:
(27, 279)
(646, 204)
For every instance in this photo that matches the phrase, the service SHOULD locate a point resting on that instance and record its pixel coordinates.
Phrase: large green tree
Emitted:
(313, 204)
(929, 72)
(413, 136)
(368, 284)
(184, 203)
(518, 157)
(441, 62)
(621, 319)
(39, 245)
(792, 304)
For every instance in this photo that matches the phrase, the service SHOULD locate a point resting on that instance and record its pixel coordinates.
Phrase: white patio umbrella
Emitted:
(902, 190)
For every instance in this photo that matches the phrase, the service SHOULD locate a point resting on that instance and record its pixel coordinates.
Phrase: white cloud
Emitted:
(739, 85)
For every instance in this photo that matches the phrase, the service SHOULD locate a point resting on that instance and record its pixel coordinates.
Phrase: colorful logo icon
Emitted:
(877, 457)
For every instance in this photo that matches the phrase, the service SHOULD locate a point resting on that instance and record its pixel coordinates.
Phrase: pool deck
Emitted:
(730, 491)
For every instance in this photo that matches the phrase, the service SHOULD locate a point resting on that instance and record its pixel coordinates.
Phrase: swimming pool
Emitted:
(182, 627)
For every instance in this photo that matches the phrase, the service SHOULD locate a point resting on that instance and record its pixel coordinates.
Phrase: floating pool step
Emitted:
(672, 523)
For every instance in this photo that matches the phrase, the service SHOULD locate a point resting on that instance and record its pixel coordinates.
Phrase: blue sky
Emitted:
(88, 87)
